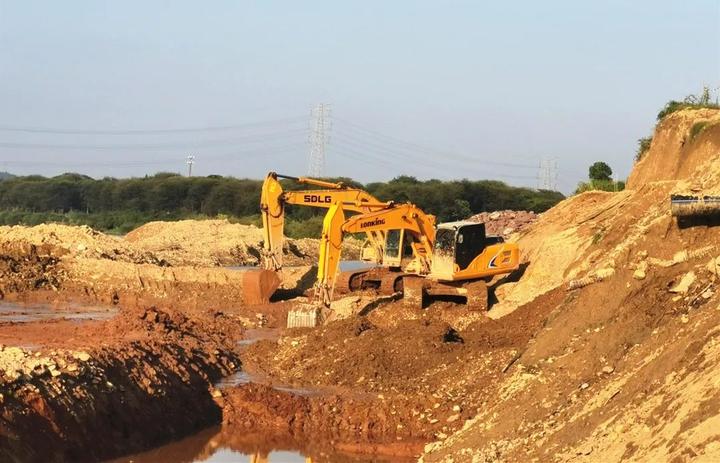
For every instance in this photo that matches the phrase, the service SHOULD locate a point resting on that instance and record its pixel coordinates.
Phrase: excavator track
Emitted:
(349, 281)
(384, 280)
(391, 283)
(477, 295)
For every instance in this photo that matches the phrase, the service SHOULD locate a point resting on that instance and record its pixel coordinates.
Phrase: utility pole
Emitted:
(548, 174)
(190, 161)
(318, 139)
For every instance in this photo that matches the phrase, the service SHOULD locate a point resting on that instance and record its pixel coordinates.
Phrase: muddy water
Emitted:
(25, 313)
(253, 335)
(225, 445)
(242, 267)
(218, 445)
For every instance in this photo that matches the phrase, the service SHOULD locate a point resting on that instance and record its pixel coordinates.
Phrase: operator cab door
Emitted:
(443, 261)
(398, 251)
(471, 241)
(456, 248)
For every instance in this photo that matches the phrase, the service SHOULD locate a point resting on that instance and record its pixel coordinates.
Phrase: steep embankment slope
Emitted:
(625, 367)
(677, 150)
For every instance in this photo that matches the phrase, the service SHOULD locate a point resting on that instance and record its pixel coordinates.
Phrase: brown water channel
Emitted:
(222, 444)
(26, 313)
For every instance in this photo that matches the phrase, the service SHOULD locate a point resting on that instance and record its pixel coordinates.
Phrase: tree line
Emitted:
(119, 205)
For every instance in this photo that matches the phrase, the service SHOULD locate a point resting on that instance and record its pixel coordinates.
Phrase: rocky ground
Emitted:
(505, 223)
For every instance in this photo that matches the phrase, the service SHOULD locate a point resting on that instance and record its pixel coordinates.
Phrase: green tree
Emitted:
(600, 171)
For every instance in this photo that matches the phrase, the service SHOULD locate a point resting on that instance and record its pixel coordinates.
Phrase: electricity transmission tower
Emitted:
(318, 139)
(190, 161)
(548, 174)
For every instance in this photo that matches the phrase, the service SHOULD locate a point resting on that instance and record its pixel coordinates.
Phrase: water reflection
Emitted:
(223, 445)
(25, 313)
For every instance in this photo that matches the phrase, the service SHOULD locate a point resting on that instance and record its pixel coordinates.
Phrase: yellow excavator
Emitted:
(382, 247)
(450, 259)
(273, 200)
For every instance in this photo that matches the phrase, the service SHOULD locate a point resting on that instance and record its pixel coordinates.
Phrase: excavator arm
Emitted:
(406, 217)
(272, 208)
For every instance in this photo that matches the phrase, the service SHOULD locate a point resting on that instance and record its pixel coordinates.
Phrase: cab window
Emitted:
(392, 244)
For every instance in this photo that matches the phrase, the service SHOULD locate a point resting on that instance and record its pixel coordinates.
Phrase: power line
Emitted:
(255, 138)
(233, 155)
(357, 153)
(430, 163)
(45, 130)
(347, 128)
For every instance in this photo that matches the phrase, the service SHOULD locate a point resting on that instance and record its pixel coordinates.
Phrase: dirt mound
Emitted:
(160, 263)
(25, 267)
(213, 243)
(504, 223)
(683, 142)
(75, 241)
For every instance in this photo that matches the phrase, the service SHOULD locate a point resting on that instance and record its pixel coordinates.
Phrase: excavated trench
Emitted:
(89, 383)
(108, 349)
(266, 421)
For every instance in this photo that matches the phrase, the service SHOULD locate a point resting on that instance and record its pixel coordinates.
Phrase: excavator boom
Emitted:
(272, 208)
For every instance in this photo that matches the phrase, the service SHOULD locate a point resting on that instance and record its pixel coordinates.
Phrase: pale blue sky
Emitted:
(447, 89)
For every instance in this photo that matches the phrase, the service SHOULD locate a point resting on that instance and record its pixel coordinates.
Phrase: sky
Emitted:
(435, 89)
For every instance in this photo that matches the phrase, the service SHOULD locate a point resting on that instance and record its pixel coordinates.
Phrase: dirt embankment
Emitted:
(176, 267)
(92, 391)
(621, 369)
(677, 150)
(211, 243)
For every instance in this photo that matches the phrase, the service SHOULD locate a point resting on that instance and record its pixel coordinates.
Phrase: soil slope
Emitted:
(624, 367)
(675, 154)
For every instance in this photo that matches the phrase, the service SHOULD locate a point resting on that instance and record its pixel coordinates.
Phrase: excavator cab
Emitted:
(398, 249)
(463, 249)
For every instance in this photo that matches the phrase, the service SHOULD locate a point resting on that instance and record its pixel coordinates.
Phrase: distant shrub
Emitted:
(701, 101)
(600, 185)
(643, 146)
(697, 128)
(304, 228)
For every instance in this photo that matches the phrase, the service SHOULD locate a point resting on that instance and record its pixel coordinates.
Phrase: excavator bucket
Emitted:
(258, 285)
(304, 316)
(694, 206)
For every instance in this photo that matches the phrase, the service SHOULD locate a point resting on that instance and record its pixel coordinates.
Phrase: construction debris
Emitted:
(505, 223)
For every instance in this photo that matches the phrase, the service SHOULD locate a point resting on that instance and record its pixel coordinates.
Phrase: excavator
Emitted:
(273, 200)
(450, 259)
(382, 246)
